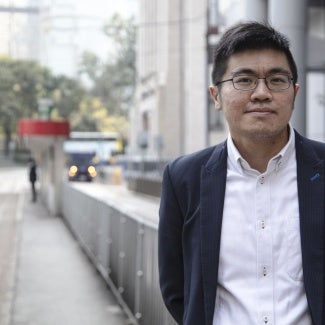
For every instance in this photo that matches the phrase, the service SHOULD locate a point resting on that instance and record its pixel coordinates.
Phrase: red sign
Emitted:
(27, 127)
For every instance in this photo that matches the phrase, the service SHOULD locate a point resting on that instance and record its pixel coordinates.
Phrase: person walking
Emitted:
(241, 235)
(33, 178)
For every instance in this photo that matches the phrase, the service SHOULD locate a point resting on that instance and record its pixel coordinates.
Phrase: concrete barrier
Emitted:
(122, 245)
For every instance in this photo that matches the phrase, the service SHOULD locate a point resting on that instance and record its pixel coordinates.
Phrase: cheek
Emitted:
(233, 113)
(234, 98)
(287, 105)
(234, 106)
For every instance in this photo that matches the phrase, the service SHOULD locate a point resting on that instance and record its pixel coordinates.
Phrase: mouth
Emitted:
(260, 111)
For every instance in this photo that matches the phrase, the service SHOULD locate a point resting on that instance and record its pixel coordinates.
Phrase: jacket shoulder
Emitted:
(190, 165)
(198, 158)
(312, 148)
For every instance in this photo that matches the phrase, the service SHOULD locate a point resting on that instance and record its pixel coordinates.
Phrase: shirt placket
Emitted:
(264, 272)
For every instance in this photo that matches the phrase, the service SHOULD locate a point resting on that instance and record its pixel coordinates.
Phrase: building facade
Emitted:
(19, 29)
(173, 114)
(169, 116)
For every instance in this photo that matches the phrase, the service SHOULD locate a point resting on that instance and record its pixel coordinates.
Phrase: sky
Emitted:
(81, 31)
(100, 8)
(68, 28)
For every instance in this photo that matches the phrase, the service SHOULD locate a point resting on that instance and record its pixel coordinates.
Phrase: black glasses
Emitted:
(275, 82)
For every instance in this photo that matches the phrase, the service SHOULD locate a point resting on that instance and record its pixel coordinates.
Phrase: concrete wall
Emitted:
(50, 159)
(122, 244)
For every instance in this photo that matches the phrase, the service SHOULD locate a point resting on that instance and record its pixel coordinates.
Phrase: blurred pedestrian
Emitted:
(33, 177)
(242, 224)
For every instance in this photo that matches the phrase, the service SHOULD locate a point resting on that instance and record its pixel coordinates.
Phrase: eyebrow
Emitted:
(247, 71)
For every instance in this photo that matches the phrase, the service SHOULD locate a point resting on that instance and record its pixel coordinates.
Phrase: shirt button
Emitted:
(262, 179)
(264, 271)
(263, 224)
(265, 319)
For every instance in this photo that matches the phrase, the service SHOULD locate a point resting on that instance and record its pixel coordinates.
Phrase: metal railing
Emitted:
(123, 249)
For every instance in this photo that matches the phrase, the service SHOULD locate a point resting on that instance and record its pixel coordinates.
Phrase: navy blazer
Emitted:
(190, 221)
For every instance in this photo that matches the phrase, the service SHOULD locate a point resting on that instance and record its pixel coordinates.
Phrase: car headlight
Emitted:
(73, 170)
(92, 171)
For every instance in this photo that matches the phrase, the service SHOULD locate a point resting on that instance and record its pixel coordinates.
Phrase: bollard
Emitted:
(117, 175)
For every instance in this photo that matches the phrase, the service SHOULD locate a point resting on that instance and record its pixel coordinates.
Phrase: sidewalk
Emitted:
(45, 278)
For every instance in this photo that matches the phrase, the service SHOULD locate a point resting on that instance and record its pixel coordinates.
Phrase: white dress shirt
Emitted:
(260, 278)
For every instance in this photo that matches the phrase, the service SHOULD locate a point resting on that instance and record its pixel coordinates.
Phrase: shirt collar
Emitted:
(238, 162)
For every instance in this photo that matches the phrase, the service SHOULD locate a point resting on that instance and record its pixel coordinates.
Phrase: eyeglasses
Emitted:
(275, 82)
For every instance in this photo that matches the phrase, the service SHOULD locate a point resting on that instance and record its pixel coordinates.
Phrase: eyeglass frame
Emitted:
(290, 79)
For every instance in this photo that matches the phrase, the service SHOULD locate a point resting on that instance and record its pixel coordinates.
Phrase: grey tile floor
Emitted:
(45, 278)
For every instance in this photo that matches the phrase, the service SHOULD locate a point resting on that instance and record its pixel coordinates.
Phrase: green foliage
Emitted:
(94, 116)
(19, 82)
(114, 80)
(67, 96)
(23, 83)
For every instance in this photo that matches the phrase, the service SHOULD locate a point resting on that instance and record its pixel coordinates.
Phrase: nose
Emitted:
(261, 92)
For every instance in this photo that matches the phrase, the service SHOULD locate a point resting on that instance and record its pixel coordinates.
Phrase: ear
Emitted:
(215, 95)
(296, 89)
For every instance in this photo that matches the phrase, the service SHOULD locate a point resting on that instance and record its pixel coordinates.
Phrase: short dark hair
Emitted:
(249, 36)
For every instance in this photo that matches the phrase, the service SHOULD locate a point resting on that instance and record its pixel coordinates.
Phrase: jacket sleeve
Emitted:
(170, 256)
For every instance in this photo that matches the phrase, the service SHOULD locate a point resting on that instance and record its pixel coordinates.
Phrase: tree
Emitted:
(94, 116)
(122, 69)
(23, 83)
(67, 94)
(20, 83)
(114, 80)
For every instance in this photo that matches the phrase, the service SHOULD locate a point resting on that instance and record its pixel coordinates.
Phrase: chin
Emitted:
(266, 133)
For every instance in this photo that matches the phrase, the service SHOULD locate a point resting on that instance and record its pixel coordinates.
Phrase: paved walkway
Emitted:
(45, 278)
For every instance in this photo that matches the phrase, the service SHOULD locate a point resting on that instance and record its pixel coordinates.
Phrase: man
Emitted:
(241, 231)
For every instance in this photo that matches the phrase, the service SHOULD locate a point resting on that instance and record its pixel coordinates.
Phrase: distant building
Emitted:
(19, 29)
(57, 32)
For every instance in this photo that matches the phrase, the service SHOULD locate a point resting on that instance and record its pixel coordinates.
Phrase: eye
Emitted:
(277, 79)
(244, 80)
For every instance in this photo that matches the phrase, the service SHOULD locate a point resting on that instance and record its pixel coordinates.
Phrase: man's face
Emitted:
(257, 113)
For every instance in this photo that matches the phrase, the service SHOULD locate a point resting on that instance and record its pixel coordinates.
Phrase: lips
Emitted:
(260, 110)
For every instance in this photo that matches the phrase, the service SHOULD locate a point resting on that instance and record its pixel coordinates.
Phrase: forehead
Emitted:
(259, 61)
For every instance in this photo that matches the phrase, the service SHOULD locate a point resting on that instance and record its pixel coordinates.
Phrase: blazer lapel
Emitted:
(213, 183)
(310, 176)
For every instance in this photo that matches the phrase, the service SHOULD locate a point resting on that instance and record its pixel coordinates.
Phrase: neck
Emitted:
(258, 152)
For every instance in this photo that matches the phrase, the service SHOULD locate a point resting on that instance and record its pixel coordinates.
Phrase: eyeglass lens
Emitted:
(273, 82)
